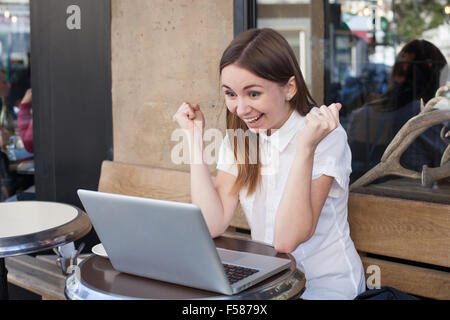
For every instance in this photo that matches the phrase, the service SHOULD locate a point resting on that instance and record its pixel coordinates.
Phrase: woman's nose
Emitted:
(242, 107)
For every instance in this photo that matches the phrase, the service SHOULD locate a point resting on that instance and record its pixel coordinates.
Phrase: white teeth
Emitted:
(253, 119)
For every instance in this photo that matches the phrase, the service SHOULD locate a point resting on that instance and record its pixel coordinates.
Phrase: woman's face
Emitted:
(260, 103)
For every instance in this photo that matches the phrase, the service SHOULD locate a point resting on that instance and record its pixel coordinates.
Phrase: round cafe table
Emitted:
(32, 226)
(96, 279)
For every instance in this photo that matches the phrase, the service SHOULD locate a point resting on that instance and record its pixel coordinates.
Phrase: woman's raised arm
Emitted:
(213, 198)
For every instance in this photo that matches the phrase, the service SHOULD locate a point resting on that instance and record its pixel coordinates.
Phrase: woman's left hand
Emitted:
(319, 122)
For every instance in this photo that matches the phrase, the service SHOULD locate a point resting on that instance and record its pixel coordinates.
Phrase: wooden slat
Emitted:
(40, 277)
(406, 229)
(233, 233)
(49, 258)
(409, 189)
(143, 181)
(411, 279)
(239, 220)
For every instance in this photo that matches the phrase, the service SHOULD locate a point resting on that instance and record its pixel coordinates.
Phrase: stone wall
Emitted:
(163, 53)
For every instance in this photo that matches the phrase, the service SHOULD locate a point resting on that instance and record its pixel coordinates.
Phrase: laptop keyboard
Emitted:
(236, 273)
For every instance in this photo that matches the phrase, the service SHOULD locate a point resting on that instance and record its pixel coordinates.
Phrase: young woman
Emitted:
(292, 183)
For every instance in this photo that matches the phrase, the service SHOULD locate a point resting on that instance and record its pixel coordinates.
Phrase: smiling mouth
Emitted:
(251, 120)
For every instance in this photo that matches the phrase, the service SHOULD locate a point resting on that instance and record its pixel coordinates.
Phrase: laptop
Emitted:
(169, 241)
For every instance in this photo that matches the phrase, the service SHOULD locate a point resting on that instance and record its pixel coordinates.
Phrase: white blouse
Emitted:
(329, 260)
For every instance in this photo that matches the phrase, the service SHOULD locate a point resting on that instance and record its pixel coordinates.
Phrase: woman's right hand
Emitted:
(190, 118)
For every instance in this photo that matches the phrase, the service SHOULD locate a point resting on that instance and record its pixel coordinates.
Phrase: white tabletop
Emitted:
(26, 217)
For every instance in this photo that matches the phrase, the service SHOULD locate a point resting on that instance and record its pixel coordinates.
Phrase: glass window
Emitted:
(379, 58)
(16, 131)
(384, 57)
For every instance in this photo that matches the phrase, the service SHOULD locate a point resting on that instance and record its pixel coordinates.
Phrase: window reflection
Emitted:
(414, 76)
(375, 61)
(380, 67)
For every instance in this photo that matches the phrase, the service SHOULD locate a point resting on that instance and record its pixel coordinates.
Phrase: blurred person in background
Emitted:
(5, 86)
(25, 121)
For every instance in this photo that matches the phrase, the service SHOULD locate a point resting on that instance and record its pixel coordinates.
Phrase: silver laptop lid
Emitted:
(138, 241)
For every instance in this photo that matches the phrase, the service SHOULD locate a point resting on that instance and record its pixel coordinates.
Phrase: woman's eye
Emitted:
(229, 93)
(254, 94)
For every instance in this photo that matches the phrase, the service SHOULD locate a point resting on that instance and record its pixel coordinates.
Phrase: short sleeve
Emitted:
(333, 158)
(226, 160)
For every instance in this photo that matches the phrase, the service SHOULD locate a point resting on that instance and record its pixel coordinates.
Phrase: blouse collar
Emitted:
(280, 138)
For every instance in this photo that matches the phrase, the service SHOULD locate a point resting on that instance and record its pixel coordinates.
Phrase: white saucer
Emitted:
(99, 250)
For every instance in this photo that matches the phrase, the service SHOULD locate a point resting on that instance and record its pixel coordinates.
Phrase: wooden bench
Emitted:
(408, 240)
(39, 275)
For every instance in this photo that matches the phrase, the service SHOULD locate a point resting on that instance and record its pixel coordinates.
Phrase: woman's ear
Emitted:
(291, 87)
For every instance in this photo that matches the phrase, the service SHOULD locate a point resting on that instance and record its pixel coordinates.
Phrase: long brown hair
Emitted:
(267, 54)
